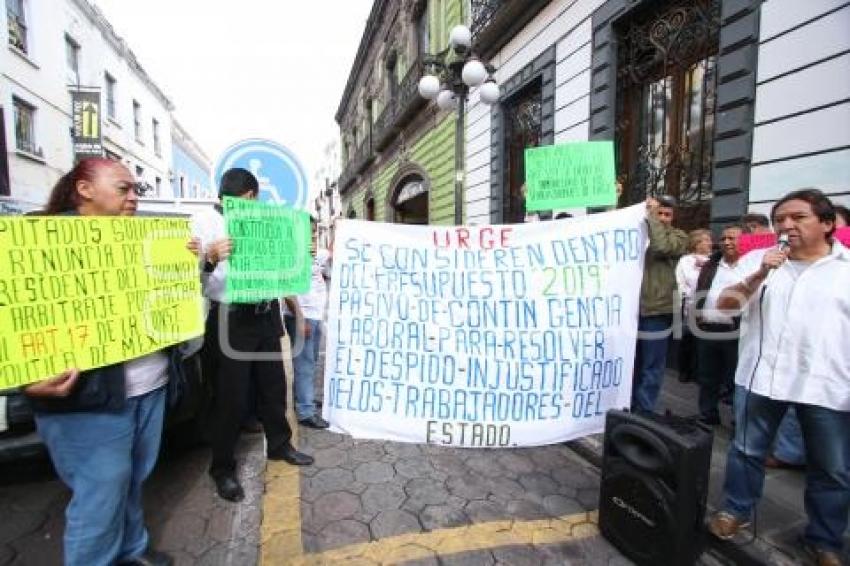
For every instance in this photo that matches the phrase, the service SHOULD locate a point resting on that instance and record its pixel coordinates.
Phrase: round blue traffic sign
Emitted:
(280, 174)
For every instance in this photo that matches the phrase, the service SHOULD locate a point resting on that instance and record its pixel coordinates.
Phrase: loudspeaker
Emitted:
(655, 472)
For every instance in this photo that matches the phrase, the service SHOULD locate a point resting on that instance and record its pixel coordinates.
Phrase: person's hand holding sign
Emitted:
(59, 386)
(219, 250)
(651, 206)
(194, 246)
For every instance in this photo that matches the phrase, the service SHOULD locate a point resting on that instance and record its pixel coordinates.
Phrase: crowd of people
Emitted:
(751, 338)
(767, 333)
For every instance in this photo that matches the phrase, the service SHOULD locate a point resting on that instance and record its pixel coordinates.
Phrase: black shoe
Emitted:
(315, 421)
(151, 557)
(291, 456)
(228, 487)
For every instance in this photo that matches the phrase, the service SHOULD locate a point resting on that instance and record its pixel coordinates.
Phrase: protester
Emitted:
(657, 300)
(717, 340)
(103, 427)
(796, 317)
(687, 272)
(251, 331)
(788, 451)
(755, 223)
(306, 338)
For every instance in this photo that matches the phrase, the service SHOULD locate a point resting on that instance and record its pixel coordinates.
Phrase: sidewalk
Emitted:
(781, 516)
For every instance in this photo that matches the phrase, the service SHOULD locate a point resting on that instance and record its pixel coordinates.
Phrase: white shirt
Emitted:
(726, 276)
(314, 301)
(687, 274)
(805, 356)
(145, 374)
(208, 226)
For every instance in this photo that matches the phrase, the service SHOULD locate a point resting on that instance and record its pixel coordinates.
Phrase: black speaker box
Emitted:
(655, 472)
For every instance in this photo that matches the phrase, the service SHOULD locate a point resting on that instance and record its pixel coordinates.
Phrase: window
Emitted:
(140, 173)
(182, 186)
(72, 56)
(392, 75)
(666, 106)
(422, 31)
(110, 95)
(158, 183)
(25, 127)
(17, 24)
(137, 120)
(157, 148)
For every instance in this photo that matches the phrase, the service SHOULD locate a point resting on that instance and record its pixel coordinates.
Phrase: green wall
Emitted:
(434, 153)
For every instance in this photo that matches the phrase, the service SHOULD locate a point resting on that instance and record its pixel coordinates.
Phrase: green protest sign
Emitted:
(271, 251)
(570, 175)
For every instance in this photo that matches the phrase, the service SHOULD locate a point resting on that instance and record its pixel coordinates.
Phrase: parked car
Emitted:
(18, 436)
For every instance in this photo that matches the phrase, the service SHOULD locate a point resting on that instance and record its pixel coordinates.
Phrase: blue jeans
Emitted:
(304, 366)
(104, 458)
(827, 442)
(650, 361)
(789, 440)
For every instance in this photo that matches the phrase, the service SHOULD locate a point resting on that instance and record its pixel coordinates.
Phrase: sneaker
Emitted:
(725, 525)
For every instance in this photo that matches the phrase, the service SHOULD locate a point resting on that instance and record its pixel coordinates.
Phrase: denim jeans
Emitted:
(304, 366)
(650, 361)
(104, 458)
(789, 440)
(827, 436)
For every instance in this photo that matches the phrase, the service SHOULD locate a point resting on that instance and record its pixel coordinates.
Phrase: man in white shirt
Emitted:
(793, 352)
(716, 331)
(241, 345)
(307, 337)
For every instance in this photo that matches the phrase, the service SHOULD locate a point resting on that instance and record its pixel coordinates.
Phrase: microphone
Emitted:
(782, 245)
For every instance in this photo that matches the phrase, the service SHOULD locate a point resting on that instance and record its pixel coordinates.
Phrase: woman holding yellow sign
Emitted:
(102, 427)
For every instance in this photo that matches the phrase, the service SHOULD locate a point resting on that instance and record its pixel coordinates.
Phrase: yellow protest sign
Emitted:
(85, 292)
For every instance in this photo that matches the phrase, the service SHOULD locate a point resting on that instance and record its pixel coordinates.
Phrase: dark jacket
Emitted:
(103, 389)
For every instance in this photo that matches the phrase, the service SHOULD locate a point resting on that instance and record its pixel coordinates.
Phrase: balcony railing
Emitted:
(495, 22)
(400, 108)
(483, 12)
(357, 163)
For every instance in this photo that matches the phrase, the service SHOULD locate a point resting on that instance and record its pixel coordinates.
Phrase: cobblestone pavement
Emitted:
(184, 515)
(370, 502)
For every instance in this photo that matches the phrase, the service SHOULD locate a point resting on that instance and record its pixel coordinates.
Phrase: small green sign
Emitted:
(570, 175)
(271, 251)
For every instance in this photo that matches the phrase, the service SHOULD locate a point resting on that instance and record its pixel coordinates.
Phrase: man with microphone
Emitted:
(795, 306)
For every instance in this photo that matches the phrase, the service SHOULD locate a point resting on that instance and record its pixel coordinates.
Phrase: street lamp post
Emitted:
(449, 85)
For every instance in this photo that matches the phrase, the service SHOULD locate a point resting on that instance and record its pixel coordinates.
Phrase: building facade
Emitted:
(726, 104)
(191, 169)
(51, 49)
(397, 152)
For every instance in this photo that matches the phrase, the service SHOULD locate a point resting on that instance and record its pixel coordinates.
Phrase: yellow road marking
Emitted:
(281, 542)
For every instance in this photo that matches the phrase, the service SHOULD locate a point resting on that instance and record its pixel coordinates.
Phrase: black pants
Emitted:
(250, 330)
(716, 363)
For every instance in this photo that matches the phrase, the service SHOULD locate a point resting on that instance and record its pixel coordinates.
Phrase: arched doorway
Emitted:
(410, 200)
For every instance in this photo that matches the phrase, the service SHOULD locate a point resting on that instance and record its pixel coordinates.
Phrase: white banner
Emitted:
(483, 336)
